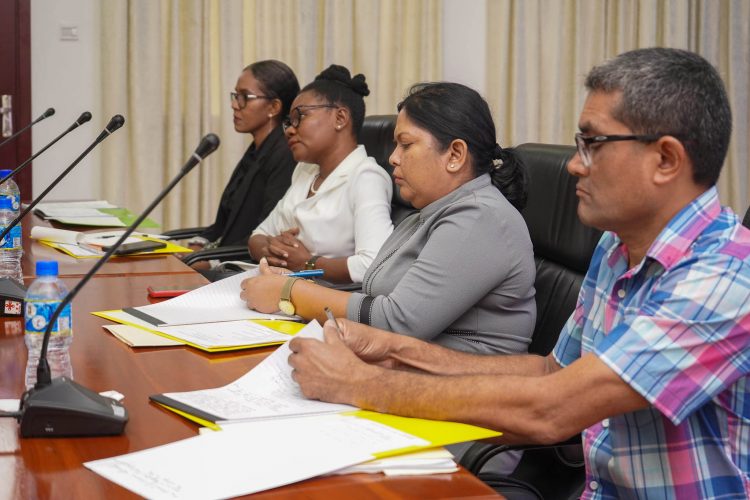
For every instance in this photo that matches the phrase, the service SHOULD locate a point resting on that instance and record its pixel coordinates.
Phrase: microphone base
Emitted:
(65, 408)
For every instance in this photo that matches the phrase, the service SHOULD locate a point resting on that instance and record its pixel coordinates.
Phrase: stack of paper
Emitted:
(264, 453)
(82, 213)
(89, 245)
(97, 213)
(418, 463)
(212, 318)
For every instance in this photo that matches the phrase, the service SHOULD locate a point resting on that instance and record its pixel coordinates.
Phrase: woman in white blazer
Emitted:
(336, 214)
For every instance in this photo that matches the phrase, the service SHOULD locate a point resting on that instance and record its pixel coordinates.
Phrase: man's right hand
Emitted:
(369, 344)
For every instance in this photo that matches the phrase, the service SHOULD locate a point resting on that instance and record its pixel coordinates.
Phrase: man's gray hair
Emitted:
(672, 92)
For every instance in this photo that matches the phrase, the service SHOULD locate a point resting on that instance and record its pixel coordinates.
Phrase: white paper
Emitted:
(101, 221)
(43, 207)
(432, 461)
(267, 390)
(79, 251)
(252, 457)
(109, 237)
(218, 301)
(225, 334)
(50, 212)
(55, 235)
(138, 337)
(9, 404)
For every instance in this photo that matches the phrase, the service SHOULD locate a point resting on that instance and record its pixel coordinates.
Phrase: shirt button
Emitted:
(593, 485)
(605, 423)
(621, 293)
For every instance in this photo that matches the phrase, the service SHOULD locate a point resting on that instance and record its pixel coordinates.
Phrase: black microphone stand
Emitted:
(46, 114)
(116, 122)
(61, 407)
(85, 116)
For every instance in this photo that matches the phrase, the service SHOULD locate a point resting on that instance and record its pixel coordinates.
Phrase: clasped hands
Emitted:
(286, 250)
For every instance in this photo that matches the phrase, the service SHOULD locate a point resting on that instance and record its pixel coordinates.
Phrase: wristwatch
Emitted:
(285, 302)
(310, 264)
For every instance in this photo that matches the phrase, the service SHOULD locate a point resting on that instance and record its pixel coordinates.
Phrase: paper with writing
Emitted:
(267, 390)
(218, 301)
(251, 457)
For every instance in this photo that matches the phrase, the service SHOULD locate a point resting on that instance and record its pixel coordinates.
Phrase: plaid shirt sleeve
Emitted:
(569, 343)
(689, 339)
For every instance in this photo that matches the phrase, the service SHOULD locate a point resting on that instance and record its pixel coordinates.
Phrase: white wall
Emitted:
(65, 76)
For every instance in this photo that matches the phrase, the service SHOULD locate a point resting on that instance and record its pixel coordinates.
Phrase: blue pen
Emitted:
(306, 274)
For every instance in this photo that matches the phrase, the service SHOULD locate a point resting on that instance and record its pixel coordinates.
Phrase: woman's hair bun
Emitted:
(341, 75)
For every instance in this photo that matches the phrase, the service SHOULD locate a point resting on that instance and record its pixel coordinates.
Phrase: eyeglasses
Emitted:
(296, 116)
(584, 143)
(243, 99)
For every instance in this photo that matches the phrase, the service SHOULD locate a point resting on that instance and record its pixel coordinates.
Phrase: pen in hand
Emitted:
(329, 315)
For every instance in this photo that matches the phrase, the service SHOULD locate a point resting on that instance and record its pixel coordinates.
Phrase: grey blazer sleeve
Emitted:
(469, 252)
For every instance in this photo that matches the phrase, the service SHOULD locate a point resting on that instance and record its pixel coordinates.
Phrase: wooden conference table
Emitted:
(52, 467)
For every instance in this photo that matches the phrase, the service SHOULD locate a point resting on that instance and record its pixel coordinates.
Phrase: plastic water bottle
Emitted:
(10, 247)
(9, 189)
(42, 298)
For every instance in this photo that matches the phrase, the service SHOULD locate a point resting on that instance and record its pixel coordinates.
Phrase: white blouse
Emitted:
(350, 215)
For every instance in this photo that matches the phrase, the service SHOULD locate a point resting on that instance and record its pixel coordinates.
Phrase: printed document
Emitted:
(252, 457)
(218, 301)
(266, 391)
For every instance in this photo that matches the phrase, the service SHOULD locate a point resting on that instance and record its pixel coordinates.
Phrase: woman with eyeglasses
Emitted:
(261, 99)
(336, 213)
(459, 272)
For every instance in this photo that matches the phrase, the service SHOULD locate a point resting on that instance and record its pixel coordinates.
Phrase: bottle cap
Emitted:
(6, 203)
(46, 268)
(5, 172)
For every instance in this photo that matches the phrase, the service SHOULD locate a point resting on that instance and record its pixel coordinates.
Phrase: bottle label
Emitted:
(16, 201)
(12, 240)
(39, 312)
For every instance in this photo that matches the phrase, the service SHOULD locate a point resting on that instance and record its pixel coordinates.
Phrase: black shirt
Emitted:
(258, 182)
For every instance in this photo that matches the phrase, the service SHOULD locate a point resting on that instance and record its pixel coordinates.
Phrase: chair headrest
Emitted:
(377, 137)
(551, 212)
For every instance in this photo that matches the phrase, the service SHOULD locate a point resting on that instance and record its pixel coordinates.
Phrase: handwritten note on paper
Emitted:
(218, 301)
(251, 457)
(267, 390)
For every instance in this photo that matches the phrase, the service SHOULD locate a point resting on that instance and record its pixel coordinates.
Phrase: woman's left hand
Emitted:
(263, 292)
(296, 252)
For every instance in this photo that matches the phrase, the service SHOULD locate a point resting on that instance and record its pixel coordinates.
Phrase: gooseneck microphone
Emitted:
(115, 123)
(85, 116)
(61, 407)
(46, 114)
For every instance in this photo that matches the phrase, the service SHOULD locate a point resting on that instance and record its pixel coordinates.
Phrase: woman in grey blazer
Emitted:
(460, 271)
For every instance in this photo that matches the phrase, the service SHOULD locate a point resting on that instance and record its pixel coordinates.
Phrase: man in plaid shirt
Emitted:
(652, 367)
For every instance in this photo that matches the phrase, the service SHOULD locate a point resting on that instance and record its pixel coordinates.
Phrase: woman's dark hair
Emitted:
(450, 111)
(336, 85)
(277, 80)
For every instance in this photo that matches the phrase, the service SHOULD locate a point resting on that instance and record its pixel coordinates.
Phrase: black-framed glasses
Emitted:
(583, 143)
(243, 98)
(296, 115)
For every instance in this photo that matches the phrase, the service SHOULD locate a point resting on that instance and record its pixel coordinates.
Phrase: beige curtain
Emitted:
(539, 51)
(168, 67)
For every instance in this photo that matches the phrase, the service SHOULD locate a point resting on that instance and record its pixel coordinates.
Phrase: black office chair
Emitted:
(377, 137)
(563, 247)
